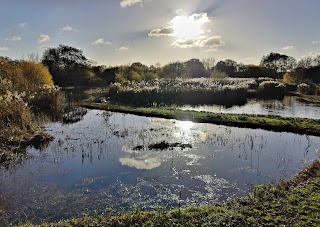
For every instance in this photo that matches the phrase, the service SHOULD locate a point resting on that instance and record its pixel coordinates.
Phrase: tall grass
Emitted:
(182, 91)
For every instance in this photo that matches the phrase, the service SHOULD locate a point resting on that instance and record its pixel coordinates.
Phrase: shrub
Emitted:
(289, 78)
(271, 89)
(46, 99)
(216, 74)
(307, 89)
(16, 120)
(36, 74)
(24, 87)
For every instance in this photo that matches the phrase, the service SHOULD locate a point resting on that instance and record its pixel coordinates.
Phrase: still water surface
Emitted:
(92, 166)
(289, 106)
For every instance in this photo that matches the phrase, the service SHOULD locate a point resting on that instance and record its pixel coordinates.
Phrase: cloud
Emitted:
(289, 48)
(43, 38)
(211, 50)
(166, 31)
(69, 29)
(14, 38)
(200, 17)
(201, 41)
(311, 54)
(23, 25)
(148, 163)
(125, 3)
(4, 48)
(315, 42)
(213, 41)
(100, 41)
(45, 47)
(123, 48)
(179, 11)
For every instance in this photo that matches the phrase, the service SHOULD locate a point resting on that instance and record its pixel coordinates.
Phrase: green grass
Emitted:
(295, 202)
(268, 122)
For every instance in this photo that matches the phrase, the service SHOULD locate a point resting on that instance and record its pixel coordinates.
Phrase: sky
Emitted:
(120, 32)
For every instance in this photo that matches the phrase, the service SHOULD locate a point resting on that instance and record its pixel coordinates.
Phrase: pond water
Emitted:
(104, 162)
(289, 106)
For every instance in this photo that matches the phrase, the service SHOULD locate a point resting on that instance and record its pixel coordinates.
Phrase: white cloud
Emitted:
(123, 48)
(125, 3)
(22, 25)
(4, 48)
(100, 41)
(211, 50)
(289, 48)
(201, 41)
(213, 41)
(166, 31)
(200, 17)
(14, 38)
(310, 54)
(179, 11)
(315, 42)
(45, 47)
(43, 38)
(69, 29)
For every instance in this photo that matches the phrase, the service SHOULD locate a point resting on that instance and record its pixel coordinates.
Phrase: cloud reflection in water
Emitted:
(148, 163)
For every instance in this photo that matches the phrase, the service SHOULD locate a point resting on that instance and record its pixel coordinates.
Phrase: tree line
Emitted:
(69, 67)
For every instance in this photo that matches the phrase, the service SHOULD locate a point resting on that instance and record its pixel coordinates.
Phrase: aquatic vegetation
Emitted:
(182, 91)
(41, 140)
(73, 115)
(164, 145)
(307, 88)
(271, 89)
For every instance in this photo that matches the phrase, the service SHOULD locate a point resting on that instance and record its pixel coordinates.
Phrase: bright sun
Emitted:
(188, 27)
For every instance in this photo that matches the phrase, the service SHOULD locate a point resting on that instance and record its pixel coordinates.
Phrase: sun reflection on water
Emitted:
(183, 130)
(185, 126)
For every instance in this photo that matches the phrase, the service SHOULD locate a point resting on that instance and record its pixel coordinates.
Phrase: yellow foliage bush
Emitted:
(36, 74)
(288, 78)
(24, 76)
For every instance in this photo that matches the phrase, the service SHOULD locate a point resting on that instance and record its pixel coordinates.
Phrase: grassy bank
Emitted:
(268, 122)
(288, 203)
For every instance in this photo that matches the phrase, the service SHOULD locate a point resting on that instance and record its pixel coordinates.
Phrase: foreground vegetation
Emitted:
(288, 203)
(26, 91)
(268, 122)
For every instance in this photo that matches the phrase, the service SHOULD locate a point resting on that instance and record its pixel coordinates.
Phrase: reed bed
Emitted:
(231, 91)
